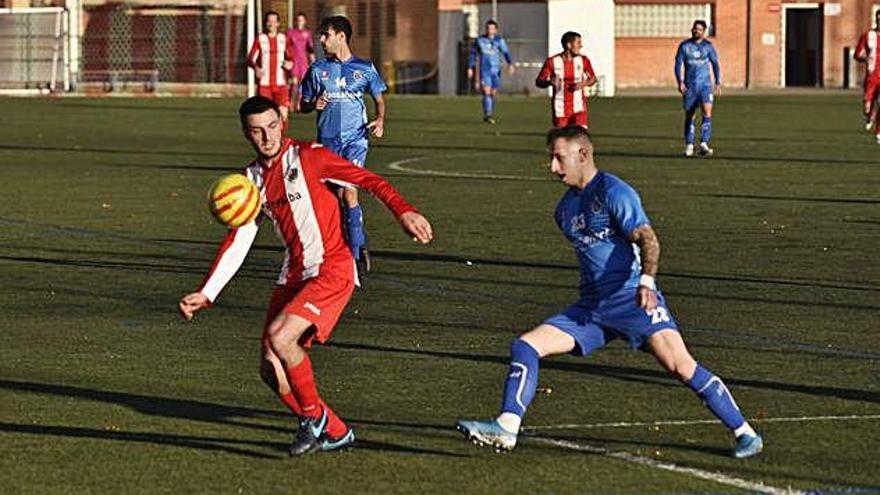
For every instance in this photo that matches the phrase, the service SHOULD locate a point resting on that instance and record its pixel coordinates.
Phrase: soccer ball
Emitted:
(234, 200)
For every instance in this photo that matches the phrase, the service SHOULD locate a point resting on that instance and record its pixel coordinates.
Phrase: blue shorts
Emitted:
(594, 323)
(491, 79)
(697, 96)
(354, 151)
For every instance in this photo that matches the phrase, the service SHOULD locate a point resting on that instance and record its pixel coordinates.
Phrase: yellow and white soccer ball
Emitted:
(234, 200)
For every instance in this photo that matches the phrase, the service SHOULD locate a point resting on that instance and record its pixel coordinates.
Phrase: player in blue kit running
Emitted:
(697, 55)
(489, 48)
(618, 252)
(335, 87)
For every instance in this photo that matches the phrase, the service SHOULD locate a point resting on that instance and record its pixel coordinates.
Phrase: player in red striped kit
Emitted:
(866, 52)
(270, 60)
(318, 274)
(569, 74)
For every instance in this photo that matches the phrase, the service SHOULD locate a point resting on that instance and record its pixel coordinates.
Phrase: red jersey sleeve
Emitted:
(588, 67)
(862, 46)
(253, 59)
(546, 70)
(332, 167)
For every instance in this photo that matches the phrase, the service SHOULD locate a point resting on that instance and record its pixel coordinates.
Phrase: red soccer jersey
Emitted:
(305, 212)
(569, 101)
(867, 47)
(268, 53)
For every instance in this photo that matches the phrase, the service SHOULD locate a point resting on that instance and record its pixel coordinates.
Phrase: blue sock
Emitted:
(689, 128)
(717, 398)
(706, 130)
(354, 222)
(488, 105)
(522, 381)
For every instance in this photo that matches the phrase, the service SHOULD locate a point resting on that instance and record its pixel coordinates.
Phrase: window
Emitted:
(660, 20)
(391, 18)
(361, 26)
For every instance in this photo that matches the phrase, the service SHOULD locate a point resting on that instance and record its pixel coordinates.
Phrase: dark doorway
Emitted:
(803, 47)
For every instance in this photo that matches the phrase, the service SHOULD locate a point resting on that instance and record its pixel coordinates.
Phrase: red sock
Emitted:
(335, 427)
(302, 383)
(290, 401)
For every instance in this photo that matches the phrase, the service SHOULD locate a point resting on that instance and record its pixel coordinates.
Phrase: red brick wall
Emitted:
(649, 61)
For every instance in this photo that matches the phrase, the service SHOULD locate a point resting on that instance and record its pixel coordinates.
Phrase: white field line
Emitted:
(399, 165)
(686, 422)
(668, 466)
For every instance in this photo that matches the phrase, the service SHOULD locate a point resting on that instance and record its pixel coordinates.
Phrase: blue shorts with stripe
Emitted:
(697, 96)
(593, 323)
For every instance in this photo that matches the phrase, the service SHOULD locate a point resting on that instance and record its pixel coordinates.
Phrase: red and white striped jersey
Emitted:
(867, 47)
(268, 53)
(568, 101)
(305, 212)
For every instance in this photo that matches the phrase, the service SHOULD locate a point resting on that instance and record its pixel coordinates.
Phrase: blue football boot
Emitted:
(748, 445)
(488, 433)
(307, 435)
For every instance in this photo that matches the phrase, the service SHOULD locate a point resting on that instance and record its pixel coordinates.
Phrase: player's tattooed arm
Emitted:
(649, 247)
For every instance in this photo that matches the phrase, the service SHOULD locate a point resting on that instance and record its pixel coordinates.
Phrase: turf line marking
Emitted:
(398, 165)
(687, 422)
(668, 466)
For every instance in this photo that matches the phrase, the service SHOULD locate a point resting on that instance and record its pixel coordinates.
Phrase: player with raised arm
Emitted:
(618, 252)
(335, 87)
(270, 62)
(489, 48)
(317, 276)
(866, 53)
(301, 48)
(569, 74)
(696, 55)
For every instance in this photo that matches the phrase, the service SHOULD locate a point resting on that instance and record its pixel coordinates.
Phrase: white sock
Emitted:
(745, 429)
(509, 422)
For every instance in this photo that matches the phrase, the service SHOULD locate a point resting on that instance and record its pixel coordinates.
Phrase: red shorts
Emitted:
(278, 94)
(573, 119)
(319, 300)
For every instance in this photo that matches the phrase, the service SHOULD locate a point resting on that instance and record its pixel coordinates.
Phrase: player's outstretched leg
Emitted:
(669, 349)
(519, 390)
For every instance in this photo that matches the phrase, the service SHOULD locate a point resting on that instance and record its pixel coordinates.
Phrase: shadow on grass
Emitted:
(190, 410)
(628, 374)
(792, 198)
(216, 444)
(114, 151)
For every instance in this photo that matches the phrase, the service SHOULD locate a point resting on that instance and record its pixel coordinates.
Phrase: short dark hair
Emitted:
(255, 105)
(569, 37)
(337, 23)
(570, 133)
(270, 13)
(700, 22)
(493, 22)
(300, 14)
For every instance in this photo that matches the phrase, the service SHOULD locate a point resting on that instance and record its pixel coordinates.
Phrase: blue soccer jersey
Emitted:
(489, 50)
(697, 58)
(598, 221)
(344, 120)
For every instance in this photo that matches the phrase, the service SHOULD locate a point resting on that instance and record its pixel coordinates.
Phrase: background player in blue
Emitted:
(335, 87)
(489, 48)
(602, 216)
(696, 55)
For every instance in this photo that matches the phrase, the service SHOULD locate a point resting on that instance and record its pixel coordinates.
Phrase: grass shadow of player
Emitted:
(186, 409)
(628, 374)
(212, 444)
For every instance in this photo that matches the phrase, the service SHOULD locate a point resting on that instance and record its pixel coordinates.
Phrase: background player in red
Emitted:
(866, 53)
(569, 74)
(301, 48)
(270, 61)
(317, 276)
